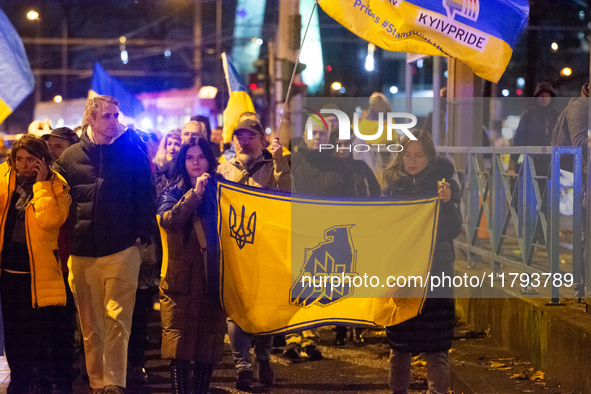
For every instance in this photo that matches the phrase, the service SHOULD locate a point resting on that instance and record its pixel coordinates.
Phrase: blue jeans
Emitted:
(437, 372)
(240, 342)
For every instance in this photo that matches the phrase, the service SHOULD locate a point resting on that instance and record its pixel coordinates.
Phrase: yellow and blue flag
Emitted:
(239, 101)
(476, 32)
(104, 84)
(16, 77)
(276, 248)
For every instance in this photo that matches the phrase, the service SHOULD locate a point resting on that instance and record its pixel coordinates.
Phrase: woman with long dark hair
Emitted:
(418, 171)
(35, 202)
(193, 323)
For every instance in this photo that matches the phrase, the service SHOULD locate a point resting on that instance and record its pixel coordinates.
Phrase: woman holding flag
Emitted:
(415, 172)
(193, 322)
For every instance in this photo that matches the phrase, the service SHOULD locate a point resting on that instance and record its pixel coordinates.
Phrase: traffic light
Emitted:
(254, 85)
(262, 77)
(286, 73)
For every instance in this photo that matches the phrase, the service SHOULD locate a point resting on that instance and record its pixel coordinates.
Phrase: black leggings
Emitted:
(23, 326)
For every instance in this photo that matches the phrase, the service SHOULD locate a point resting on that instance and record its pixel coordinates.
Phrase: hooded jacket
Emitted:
(113, 194)
(45, 213)
(432, 330)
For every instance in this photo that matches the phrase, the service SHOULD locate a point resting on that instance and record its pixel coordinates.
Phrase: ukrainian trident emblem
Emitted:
(241, 234)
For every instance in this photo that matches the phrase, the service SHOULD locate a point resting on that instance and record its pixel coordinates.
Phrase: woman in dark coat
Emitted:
(193, 322)
(417, 171)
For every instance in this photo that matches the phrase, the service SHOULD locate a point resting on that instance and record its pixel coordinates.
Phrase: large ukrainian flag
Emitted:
(479, 33)
(271, 241)
(16, 77)
(239, 101)
(104, 84)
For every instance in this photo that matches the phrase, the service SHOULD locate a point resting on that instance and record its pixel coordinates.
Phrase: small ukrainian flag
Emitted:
(104, 84)
(16, 77)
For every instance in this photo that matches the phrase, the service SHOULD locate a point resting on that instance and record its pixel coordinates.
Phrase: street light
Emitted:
(369, 63)
(57, 99)
(336, 86)
(565, 72)
(554, 46)
(33, 15)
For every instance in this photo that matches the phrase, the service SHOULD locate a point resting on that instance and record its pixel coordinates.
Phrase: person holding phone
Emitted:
(35, 202)
(418, 171)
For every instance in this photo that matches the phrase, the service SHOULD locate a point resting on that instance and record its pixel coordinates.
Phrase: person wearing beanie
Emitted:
(535, 127)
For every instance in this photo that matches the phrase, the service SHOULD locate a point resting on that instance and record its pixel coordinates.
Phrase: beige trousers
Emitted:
(104, 289)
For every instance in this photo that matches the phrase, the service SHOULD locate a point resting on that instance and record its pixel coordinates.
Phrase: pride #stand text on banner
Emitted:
(476, 32)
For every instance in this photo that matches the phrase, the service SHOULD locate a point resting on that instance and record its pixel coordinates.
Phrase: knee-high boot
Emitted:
(180, 374)
(202, 377)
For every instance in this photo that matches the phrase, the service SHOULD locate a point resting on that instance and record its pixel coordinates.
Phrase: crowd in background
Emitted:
(81, 247)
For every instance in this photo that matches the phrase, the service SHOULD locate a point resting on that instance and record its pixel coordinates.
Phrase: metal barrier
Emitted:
(531, 205)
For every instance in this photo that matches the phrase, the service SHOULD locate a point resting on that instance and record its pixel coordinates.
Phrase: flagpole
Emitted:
(225, 67)
(295, 67)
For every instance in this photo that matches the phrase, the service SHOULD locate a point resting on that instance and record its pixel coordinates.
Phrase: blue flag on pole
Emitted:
(104, 84)
(16, 77)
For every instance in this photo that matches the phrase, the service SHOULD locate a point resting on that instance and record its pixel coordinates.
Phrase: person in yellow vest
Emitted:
(35, 202)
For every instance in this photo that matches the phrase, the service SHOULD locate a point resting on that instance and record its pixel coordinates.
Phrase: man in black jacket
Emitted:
(113, 214)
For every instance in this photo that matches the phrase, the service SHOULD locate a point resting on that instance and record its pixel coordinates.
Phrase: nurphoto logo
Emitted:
(344, 127)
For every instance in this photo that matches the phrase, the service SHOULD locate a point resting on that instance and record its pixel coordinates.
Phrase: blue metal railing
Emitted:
(487, 191)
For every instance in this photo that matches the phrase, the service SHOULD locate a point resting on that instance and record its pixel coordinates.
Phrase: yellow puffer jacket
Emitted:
(46, 212)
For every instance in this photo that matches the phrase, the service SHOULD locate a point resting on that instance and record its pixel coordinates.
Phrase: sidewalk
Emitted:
(480, 366)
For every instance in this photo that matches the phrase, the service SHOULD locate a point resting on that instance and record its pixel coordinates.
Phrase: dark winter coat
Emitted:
(113, 195)
(432, 329)
(193, 322)
(535, 129)
(364, 181)
(536, 125)
(320, 173)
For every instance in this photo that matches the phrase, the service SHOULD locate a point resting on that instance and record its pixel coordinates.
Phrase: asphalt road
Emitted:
(343, 369)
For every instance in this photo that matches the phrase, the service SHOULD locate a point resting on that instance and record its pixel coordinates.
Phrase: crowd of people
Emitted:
(87, 216)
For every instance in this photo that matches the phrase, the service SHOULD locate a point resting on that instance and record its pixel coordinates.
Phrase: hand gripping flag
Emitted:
(477, 32)
(277, 251)
(104, 84)
(16, 77)
(239, 101)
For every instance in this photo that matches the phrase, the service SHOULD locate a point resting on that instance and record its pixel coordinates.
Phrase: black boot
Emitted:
(202, 377)
(244, 381)
(180, 375)
(341, 336)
